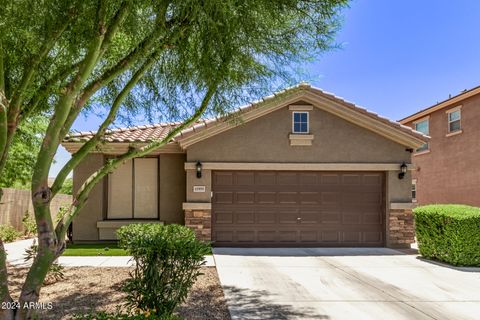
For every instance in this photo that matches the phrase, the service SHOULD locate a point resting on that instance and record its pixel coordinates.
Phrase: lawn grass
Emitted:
(97, 249)
(94, 249)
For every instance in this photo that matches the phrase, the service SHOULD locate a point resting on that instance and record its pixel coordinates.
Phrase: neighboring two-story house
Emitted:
(448, 166)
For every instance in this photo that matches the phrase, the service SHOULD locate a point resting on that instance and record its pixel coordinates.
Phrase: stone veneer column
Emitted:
(401, 226)
(198, 217)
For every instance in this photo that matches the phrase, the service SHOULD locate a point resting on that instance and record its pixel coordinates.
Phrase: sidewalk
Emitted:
(16, 250)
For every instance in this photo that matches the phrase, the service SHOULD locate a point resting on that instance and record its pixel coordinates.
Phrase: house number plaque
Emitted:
(198, 188)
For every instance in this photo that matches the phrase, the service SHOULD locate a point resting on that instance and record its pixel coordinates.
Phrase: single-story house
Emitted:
(299, 168)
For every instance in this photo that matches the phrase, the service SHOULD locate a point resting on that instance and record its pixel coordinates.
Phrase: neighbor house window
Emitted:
(300, 122)
(133, 190)
(454, 119)
(414, 190)
(422, 126)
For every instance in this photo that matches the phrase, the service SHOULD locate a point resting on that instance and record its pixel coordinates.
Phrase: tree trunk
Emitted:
(46, 255)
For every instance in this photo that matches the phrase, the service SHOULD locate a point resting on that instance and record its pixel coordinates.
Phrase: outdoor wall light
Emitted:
(403, 170)
(198, 167)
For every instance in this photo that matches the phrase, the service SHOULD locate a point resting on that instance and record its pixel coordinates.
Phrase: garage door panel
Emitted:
(331, 218)
(287, 178)
(374, 237)
(287, 197)
(308, 179)
(223, 236)
(351, 218)
(309, 236)
(352, 236)
(245, 217)
(245, 197)
(309, 197)
(287, 236)
(224, 197)
(267, 236)
(268, 208)
(287, 217)
(310, 217)
(329, 179)
(223, 217)
(245, 178)
(223, 179)
(264, 217)
(266, 197)
(265, 178)
(372, 218)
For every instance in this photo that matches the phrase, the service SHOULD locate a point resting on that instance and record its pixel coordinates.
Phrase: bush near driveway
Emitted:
(168, 261)
(8, 233)
(449, 233)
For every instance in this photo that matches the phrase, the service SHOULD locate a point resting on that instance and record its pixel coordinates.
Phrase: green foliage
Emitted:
(124, 316)
(29, 224)
(24, 149)
(55, 272)
(449, 233)
(8, 233)
(67, 187)
(168, 261)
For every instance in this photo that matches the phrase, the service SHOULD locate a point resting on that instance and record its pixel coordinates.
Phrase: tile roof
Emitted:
(148, 133)
(143, 133)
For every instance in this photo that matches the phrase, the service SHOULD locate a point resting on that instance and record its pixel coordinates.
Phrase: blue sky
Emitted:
(396, 57)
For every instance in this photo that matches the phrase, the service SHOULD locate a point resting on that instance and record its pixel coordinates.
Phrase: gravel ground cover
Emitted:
(98, 289)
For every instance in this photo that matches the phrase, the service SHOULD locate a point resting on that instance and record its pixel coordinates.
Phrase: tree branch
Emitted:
(4, 293)
(46, 88)
(140, 51)
(88, 185)
(19, 93)
(92, 143)
(62, 109)
(2, 70)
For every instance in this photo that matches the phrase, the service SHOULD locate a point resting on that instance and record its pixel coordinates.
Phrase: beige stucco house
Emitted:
(299, 168)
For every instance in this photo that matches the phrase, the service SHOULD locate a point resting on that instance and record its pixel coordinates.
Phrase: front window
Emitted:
(300, 122)
(133, 190)
(422, 126)
(454, 118)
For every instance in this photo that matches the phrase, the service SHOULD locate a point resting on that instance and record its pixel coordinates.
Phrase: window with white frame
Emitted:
(414, 190)
(300, 122)
(454, 120)
(423, 127)
(133, 190)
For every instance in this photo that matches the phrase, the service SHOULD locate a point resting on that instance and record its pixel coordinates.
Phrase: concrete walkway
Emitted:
(16, 251)
(346, 283)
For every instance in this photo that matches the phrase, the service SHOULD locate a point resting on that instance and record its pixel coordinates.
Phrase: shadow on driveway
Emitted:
(254, 304)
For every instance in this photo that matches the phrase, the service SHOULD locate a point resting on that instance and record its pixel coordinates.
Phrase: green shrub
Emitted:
(123, 316)
(8, 233)
(449, 233)
(168, 261)
(29, 224)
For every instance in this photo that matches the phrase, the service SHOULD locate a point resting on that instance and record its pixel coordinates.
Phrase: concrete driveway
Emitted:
(344, 283)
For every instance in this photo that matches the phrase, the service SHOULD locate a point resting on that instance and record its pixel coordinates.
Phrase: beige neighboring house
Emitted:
(302, 168)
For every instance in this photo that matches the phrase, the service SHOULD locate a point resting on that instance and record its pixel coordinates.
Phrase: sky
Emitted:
(395, 57)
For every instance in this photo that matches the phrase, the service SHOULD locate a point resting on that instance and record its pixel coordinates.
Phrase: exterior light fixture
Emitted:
(403, 170)
(198, 167)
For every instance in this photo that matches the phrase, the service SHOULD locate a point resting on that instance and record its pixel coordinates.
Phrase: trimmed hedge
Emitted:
(449, 233)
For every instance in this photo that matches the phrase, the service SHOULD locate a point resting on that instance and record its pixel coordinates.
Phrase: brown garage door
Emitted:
(283, 208)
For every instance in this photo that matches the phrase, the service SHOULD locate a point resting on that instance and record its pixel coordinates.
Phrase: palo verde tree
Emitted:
(173, 58)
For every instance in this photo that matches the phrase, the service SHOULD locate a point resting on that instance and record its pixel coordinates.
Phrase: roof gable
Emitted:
(328, 102)
(203, 129)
